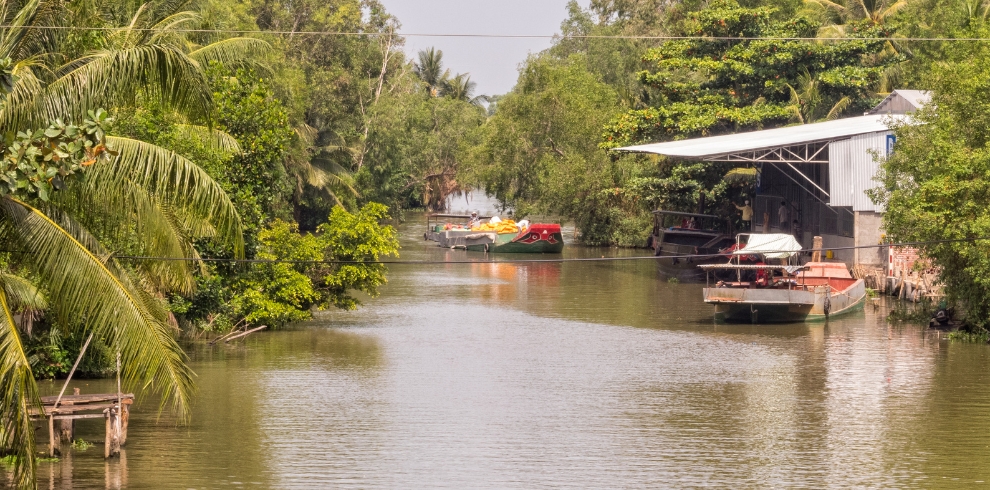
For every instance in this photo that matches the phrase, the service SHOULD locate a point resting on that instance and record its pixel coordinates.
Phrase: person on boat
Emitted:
(761, 275)
(797, 231)
(523, 225)
(784, 216)
(747, 214)
(474, 220)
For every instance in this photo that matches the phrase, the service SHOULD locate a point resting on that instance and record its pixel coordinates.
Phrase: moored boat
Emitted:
(782, 293)
(536, 238)
(449, 230)
(689, 240)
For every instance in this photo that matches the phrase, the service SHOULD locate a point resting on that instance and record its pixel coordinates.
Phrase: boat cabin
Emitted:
(679, 233)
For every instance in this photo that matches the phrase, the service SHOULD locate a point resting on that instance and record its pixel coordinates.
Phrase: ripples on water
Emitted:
(550, 375)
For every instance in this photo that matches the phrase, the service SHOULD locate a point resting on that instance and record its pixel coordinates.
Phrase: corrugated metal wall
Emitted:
(851, 169)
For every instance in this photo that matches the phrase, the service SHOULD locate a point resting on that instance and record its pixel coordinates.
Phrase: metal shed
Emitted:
(822, 170)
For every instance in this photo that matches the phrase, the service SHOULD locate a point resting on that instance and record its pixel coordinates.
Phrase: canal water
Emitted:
(582, 374)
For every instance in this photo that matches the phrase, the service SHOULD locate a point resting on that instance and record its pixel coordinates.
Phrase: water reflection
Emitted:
(578, 374)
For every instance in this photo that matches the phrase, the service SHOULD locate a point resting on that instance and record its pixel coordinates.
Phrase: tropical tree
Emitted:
(935, 186)
(873, 11)
(430, 70)
(710, 86)
(808, 104)
(460, 87)
(134, 193)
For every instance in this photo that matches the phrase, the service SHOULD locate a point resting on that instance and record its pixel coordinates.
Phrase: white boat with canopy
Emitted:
(783, 292)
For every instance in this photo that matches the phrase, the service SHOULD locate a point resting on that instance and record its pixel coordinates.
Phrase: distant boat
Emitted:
(781, 293)
(453, 231)
(684, 237)
(537, 238)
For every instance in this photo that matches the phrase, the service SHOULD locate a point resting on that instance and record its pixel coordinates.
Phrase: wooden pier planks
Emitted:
(90, 406)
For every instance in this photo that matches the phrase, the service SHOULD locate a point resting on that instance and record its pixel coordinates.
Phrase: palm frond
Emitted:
(22, 100)
(84, 282)
(832, 31)
(326, 174)
(838, 108)
(211, 137)
(838, 7)
(17, 28)
(166, 27)
(891, 10)
(110, 78)
(171, 178)
(21, 293)
(18, 394)
(19, 36)
(306, 133)
(231, 52)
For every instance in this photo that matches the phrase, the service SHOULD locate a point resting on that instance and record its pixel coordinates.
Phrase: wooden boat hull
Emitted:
(739, 305)
(538, 238)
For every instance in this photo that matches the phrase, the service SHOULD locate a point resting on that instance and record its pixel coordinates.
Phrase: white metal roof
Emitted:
(902, 101)
(712, 147)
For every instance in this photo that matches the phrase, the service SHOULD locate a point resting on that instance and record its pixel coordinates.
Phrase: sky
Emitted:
(492, 63)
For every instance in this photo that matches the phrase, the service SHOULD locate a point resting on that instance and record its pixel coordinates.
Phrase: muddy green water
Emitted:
(559, 375)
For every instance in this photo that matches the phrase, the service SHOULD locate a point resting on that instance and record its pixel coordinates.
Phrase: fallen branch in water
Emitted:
(249, 332)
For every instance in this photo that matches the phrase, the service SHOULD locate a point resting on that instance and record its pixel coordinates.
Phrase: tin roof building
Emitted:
(821, 172)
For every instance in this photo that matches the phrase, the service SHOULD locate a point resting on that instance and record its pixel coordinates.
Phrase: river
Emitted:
(582, 374)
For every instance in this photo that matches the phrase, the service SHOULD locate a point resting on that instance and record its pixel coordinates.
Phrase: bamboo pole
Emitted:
(71, 372)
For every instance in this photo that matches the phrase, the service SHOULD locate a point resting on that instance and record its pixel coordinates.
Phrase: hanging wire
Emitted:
(516, 261)
(506, 36)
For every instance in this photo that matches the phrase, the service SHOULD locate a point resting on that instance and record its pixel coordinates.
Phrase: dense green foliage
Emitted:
(703, 87)
(936, 185)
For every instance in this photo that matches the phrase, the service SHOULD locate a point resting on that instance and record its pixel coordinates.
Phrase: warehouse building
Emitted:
(822, 171)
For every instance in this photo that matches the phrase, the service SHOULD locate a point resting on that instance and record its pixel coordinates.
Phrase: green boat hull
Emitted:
(545, 239)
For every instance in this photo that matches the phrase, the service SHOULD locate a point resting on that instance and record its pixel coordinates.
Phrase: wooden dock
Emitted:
(112, 407)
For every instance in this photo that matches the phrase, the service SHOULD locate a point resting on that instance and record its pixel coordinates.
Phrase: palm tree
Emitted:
(160, 197)
(462, 88)
(430, 70)
(314, 165)
(809, 105)
(874, 11)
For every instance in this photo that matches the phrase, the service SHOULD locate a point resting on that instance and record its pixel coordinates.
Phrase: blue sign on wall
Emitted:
(891, 139)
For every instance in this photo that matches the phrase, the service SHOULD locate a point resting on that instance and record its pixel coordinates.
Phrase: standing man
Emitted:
(474, 220)
(784, 217)
(747, 214)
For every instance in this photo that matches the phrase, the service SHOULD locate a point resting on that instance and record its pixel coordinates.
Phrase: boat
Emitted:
(536, 238)
(783, 293)
(448, 230)
(685, 236)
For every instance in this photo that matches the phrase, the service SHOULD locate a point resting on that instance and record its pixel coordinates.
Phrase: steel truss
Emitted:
(816, 152)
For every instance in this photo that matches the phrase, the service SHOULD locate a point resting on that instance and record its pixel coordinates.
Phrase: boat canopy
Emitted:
(771, 246)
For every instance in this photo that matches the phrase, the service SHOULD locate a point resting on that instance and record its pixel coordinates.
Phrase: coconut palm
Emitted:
(808, 104)
(316, 166)
(461, 87)
(159, 198)
(873, 11)
(430, 70)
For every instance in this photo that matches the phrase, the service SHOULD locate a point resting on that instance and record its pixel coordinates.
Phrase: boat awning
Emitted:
(796, 144)
(771, 246)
